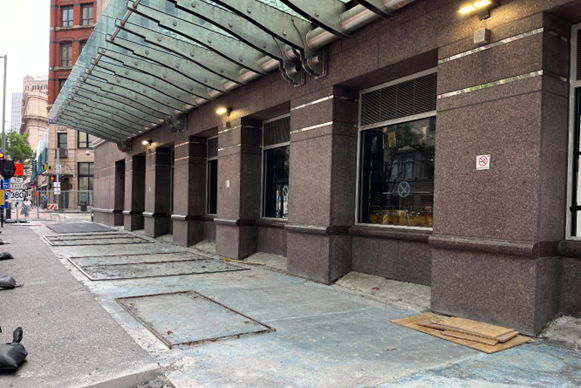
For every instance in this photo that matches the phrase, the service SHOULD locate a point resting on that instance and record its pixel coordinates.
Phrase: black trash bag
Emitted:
(5, 255)
(7, 282)
(12, 354)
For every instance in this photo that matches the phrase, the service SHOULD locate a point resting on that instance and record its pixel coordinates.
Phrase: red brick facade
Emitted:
(59, 34)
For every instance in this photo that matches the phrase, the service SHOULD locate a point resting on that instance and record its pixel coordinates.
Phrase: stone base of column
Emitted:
(510, 290)
(155, 224)
(103, 216)
(187, 230)
(234, 238)
(322, 254)
(132, 220)
(118, 218)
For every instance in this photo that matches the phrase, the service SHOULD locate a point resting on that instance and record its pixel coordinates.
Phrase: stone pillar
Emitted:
(239, 158)
(190, 191)
(119, 193)
(156, 215)
(322, 184)
(134, 192)
(494, 246)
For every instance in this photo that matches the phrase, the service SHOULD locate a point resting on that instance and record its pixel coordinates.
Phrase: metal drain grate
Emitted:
(115, 268)
(190, 318)
(100, 239)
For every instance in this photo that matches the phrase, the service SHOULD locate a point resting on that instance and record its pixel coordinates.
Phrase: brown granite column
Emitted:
(119, 193)
(322, 184)
(496, 230)
(238, 188)
(190, 191)
(134, 192)
(157, 191)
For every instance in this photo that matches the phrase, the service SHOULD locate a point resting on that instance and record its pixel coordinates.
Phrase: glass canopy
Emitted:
(149, 61)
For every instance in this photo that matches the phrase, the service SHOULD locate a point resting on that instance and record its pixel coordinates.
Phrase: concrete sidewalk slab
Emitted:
(71, 340)
(325, 337)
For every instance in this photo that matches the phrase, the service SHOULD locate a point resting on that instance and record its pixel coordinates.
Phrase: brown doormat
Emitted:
(476, 341)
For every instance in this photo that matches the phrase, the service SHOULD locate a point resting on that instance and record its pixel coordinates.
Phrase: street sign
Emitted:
(5, 184)
(59, 168)
(16, 196)
(17, 183)
(57, 185)
(57, 190)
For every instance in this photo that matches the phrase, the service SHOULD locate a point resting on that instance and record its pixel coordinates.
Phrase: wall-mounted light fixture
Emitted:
(147, 143)
(223, 110)
(479, 7)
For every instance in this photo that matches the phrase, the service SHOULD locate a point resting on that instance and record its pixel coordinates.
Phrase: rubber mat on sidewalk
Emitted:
(79, 227)
(189, 318)
(123, 271)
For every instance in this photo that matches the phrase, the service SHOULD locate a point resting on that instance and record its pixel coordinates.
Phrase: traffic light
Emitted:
(7, 168)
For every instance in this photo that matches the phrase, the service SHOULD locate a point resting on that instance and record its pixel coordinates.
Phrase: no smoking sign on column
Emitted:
(483, 162)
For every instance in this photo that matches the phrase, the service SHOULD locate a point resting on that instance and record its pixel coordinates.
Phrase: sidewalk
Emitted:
(323, 337)
(71, 340)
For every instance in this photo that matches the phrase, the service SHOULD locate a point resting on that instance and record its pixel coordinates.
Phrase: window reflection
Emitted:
(397, 174)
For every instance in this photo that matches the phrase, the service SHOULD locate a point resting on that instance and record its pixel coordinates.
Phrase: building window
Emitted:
(275, 167)
(85, 177)
(212, 176)
(84, 140)
(61, 140)
(61, 84)
(397, 149)
(86, 14)
(397, 174)
(82, 44)
(574, 197)
(66, 54)
(67, 16)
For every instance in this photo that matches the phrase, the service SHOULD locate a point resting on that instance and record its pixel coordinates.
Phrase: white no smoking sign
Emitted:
(483, 162)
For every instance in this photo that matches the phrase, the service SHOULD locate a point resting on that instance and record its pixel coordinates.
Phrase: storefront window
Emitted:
(85, 176)
(397, 174)
(275, 161)
(212, 176)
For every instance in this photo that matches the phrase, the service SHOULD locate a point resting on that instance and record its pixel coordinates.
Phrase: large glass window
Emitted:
(275, 162)
(212, 176)
(84, 140)
(86, 14)
(66, 54)
(67, 16)
(397, 174)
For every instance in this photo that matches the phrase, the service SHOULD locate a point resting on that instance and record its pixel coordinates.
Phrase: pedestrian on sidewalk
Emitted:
(26, 205)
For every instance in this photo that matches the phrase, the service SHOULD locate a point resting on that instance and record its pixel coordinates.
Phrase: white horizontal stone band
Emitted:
(311, 127)
(312, 103)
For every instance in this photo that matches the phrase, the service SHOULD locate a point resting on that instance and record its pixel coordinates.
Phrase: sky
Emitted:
(24, 37)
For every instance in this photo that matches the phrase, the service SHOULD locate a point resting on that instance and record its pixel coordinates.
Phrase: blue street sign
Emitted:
(5, 185)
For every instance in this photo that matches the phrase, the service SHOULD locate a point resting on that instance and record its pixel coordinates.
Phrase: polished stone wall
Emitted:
(494, 252)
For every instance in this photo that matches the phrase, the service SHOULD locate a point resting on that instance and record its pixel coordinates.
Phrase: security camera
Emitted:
(87, 152)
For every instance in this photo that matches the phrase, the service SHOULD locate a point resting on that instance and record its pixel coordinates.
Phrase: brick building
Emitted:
(420, 140)
(72, 22)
